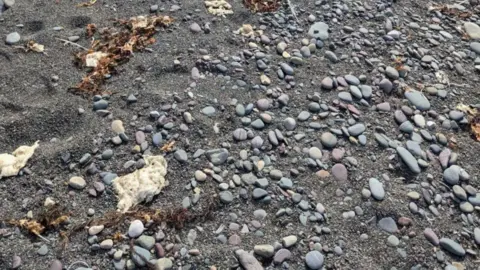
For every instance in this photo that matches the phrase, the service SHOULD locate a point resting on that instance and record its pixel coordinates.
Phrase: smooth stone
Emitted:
(208, 111)
(315, 153)
(140, 260)
(452, 247)
(248, 261)
(472, 29)
(328, 140)
(314, 260)
(77, 182)
(418, 100)
(339, 172)
(289, 241)
(431, 236)
(451, 175)
(356, 129)
(135, 229)
(265, 251)
(408, 159)
(282, 255)
(393, 241)
(12, 38)
(388, 224)
(376, 189)
(319, 30)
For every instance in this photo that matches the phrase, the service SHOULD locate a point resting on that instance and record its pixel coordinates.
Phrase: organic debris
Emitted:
(91, 30)
(219, 7)
(262, 5)
(398, 64)
(114, 47)
(168, 147)
(50, 218)
(473, 117)
(452, 10)
(87, 4)
(141, 185)
(11, 164)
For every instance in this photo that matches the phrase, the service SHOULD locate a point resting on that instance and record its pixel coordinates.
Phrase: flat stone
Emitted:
(431, 236)
(476, 235)
(356, 129)
(164, 264)
(418, 100)
(145, 241)
(289, 241)
(452, 247)
(339, 172)
(472, 29)
(315, 153)
(248, 261)
(376, 188)
(217, 156)
(451, 175)
(144, 255)
(388, 224)
(77, 182)
(282, 255)
(314, 260)
(208, 111)
(408, 159)
(226, 197)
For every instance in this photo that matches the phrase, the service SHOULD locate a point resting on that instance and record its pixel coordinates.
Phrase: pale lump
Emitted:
(141, 185)
(11, 164)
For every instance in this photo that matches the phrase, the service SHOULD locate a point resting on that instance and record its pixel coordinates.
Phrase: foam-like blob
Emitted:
(11, 164)
(141, 185)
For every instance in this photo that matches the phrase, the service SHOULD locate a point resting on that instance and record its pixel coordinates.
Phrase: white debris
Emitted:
(219, 7)
(92, 59)
(11, 164)
(141, 185)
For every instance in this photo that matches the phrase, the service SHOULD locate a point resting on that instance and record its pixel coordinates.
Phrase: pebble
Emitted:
(388, 224)
(431, 236)
(376, 189)
(282, 255)
(16, 262)
(43, 250)
(314, 260)
(247, 260)
(135, 229)
(408, 159)
(452, 247)
(226, 197)
(265, 251)
(319, 30)
(328, 140)
(315, 153)
(393, 241)
(289, 241)
(472, 29)
(339, 172)
(12, 38)
(356, 129)
(77, 182)
(418, 100)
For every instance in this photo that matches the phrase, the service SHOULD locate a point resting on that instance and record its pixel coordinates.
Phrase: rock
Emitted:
(145, 241)
(393, 241)
(339, 172)
(248, 261)
(475, 46)
(318, 30)
(135, 229)
(418, 100)
(328, 140)
(106, 244)
(408, 159)
(77, 182)
(16, 262)
(289, 123)
(140, 255)
(282, 255)
(452, 247)
(12, 38)
(200, 176)
(56, 265)
(451, 175)
(315, 153)
(472, 29)
(265, 251)
(163, 264)
(181, 156)
(327, 83)
(226, 197)
(356, 129)
(388, 224)
(314, 260)
(289, 241)
(352, 80)
(386, 85)
(208, 111)
(392, 73)
(195, 28)
(431, 236)
(43, 250)
(217, 156)
(476, 235)
(94, 230)
(376, 189)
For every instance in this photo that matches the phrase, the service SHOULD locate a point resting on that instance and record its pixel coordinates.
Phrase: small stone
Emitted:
(339, 172)
(393, 241)
(289, 241)
(356, 129)
(314, 260)
(431, 236)
(135, 229)
(265, 251)
(408, 159)
(282, 255)
(164, 264)
(388, 224)
(106, 244)
(94, 230)
(315, 153)
(43, 250)
(328, 140)
(77, 182)
(195, 28)
(12, 38)
(376, 189)
(247, 260)
(452, 247)
(16, 262)
(200, 176)
(226, 197)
